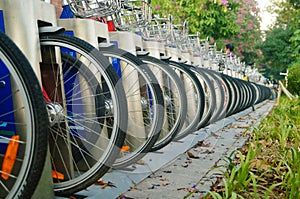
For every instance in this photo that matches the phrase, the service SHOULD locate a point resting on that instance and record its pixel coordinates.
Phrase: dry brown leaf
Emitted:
(191, 155)
(244, 118)
(203, 144)
(259, 164)
(103, 184)
(241, 127)
(141, 162)
(124, 197)
(208, 151)
(163, 179)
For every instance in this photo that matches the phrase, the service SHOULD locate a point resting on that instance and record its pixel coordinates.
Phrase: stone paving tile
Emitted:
(180, 177)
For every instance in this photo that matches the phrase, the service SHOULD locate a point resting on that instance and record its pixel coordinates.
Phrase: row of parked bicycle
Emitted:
(102, 107)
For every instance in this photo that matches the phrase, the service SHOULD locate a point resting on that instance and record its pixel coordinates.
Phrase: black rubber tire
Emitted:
(210, 96)
(32, 152)
(172, 87)
(184, 71)
(233, 94)
(220, 95)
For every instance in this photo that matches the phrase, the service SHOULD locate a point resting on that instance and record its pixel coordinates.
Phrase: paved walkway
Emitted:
(181, 167)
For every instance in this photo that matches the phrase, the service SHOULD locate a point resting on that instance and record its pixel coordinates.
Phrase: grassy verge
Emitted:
(268, 166)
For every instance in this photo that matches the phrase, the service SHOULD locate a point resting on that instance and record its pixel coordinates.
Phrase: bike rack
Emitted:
(21, 25)
(88, 30)
(23, 30)
(128, 41)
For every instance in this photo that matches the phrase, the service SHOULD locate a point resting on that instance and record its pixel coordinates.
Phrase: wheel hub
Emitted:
(55, 113)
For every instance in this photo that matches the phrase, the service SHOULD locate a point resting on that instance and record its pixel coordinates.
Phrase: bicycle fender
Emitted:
(51, 30)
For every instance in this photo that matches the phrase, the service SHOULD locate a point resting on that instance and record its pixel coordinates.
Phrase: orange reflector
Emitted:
(10, 156)
(57, 175)
(125, 148)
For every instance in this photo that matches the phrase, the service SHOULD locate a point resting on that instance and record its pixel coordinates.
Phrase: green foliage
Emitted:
(210, 18)
(294, 78)
(277, 52)
(217, 21)
(270, 164)
(295, 38)
(286, 33)
(223, 21)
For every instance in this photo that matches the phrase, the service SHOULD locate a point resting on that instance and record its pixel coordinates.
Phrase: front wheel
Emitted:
(23, 124)
(88, 111)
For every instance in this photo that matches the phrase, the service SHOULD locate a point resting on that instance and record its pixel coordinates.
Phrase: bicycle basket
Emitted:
(157, 30)
(132, 14)
(194, 42)
(93, 8)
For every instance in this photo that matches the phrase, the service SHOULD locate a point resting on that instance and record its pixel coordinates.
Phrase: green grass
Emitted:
(268, 166)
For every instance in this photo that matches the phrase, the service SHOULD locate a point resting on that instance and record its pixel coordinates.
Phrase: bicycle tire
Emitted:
(175, 100)
(210, 96)
(96, 162)
(27, 115)
(195, 94)
(226, 91)
(233, 99)
(148, 88)
(220, 95)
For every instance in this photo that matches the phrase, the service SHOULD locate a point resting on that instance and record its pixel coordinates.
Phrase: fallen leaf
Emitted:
(141, 162)
(244, 118)
(77, 196)
(104, 184)
(124, 197)
(191, 155)
(215, 135)
(163, 179)
(241, 127)
(259, 164)
(99, 182)
(185, 165)
(200, 143)
(132, 188)
(165, 184)
(192, 189)
(203, 144)
(208, 151)
(188, 161)
(153, 186)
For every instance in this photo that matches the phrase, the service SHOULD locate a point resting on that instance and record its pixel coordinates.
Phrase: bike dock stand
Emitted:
(91, 31)
(128, 41)
(131, 42)
(155, 49)
(21, 25)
